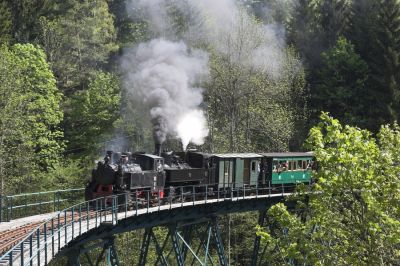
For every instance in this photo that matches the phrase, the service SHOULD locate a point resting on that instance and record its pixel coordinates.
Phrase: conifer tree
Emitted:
(301, 30)
(340, 84)
(334, 20)
(385, 60)
(5, 22)
(363, 26)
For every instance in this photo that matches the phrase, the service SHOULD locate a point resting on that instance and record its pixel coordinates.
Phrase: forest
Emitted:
(243, 76)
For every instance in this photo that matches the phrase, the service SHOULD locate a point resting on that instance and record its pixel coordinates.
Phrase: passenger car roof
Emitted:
(287, 154)
(237, 155)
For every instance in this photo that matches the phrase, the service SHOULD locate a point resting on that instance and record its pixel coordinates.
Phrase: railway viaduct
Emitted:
(78, 229)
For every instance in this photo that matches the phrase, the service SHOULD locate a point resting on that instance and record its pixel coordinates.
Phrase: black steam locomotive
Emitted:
(152, 174)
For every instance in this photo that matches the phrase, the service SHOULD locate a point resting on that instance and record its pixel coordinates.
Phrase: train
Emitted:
(158, 174)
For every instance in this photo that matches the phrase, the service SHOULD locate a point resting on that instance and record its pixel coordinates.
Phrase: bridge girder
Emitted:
(177, 219)
(108, 253)
(186, 214)
(181, 246)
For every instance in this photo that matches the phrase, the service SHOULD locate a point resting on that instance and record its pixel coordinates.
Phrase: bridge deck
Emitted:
(53, 236)
(16, 223)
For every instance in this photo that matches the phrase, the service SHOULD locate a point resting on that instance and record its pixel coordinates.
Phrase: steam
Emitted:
(232, 31)
(164, 72)
(164, 75)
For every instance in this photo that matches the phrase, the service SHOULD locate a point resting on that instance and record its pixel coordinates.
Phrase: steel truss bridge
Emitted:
(75, 231)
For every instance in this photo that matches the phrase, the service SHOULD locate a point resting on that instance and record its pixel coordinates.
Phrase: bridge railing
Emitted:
(28, 204)
(48, 238)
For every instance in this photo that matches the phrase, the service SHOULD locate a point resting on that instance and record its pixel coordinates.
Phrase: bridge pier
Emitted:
(181, 245)
(108, 253)
(257, 240)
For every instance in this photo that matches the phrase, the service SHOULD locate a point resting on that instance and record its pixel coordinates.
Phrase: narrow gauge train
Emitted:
(155, 174)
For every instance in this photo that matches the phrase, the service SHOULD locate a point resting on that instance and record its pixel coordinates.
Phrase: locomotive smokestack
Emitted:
(157, 149)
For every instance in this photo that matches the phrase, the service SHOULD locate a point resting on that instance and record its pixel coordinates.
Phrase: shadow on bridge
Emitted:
(72, 231)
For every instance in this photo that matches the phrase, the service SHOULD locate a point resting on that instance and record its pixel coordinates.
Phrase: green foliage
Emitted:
(353, 216)
(30, 114)
(335, 18)
(5, 22)
(94, 111)
(386, 65)
(249, 109)
(340, 83)
(65, 174)
(79, 41)
(42, 98)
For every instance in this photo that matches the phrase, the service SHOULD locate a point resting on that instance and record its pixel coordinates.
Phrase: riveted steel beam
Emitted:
(112, 256)
(160, 254)
(175, 243)
(73, 257)
(187, 231)
(218, 242)
(106, 245)
(257, 239)
(145, 247)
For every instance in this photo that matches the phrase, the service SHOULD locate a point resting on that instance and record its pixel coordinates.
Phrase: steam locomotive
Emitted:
(156, 175)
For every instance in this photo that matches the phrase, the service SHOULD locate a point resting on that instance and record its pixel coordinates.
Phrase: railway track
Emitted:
(11, 237)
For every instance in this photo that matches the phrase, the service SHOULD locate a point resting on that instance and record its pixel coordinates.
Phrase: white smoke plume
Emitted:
(231, 30)
(224, 25)
(164, 75)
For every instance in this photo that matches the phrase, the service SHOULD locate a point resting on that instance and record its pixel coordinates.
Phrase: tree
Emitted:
(352, 215)
(315, 27)
(5, 22)
(301, 27)
(335, 18)
(131, 28)
(79, 41)
(94, 111)
(386, 61)
(340, 84)
(250, 108)
(30, 115)
(363, 27)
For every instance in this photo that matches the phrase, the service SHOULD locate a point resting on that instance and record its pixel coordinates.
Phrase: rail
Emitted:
(28, 204)
(43, 243)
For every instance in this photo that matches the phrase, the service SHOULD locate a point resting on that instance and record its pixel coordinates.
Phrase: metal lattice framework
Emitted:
(70, 232)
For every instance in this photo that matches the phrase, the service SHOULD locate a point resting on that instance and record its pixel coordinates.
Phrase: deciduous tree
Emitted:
(94, 111)
(351, 215)
(80, 42)
(31, 139)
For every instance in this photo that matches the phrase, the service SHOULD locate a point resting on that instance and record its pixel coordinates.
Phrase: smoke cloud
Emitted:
(164, 75)
(232, 31)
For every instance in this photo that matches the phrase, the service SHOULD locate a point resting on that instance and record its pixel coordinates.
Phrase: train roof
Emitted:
(151, 156)
(287, 154)
(237, 155)
(205, 154)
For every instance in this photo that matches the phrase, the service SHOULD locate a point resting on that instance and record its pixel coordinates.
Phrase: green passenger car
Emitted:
(236, 169)
(286, 168)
